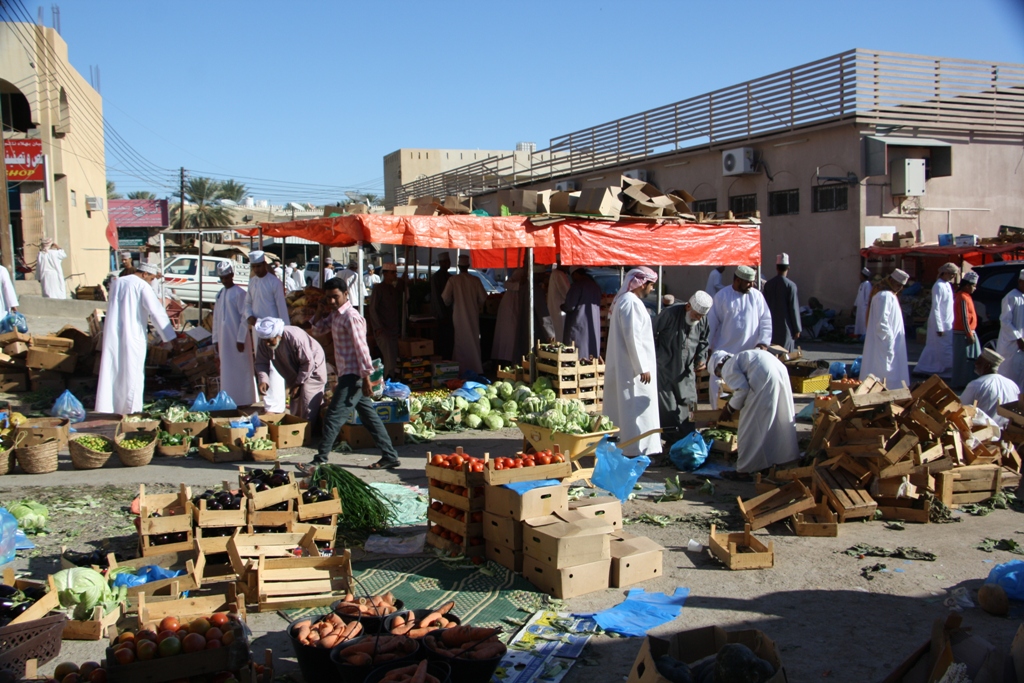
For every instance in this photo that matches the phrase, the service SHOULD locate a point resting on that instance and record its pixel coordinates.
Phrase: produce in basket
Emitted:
(419, 628)
(377, 650)
(467, 642)
(376, 606)
(96, 443)
(14, 602)
(135, 443)
(327, 633)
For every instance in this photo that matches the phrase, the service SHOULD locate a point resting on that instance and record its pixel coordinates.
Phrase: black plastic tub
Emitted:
(439, 670)
(464, 670)
(350, 673)
(314, 662)
(416, 614)
(371, 624)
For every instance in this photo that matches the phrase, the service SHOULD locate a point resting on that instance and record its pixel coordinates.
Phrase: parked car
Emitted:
(181, 276)
(422, 272)
(994, 282)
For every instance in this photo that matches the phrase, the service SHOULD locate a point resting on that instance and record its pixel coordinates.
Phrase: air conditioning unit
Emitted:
(566, 186)
(738, 161)
(637, 174)
(94, 203)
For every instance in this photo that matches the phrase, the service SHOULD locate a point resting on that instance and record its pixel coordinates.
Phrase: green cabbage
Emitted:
(484, 403)
(521, 394)
(472, 421)
(461, 403)
(510, 407)
(505, 390)
(31, 516)
(84, 588)
(541, 384)
(496, 403)
(479, 408)
(548, 394)
(494, 421)
(480, 390)
(491, 392)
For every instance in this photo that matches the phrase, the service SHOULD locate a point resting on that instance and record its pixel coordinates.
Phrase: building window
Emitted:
(17, 115)
(784, 203)
(704, 206)
(74, 198)
(829, 198)
(743, 204)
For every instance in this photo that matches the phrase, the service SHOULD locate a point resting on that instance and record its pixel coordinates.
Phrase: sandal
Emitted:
(383, 464)
(307, 468)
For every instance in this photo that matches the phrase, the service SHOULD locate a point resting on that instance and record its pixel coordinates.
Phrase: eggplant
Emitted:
(34, 593)
(7, 591)
(19, 609)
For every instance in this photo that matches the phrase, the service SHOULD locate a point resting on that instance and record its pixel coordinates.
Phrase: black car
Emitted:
(994, 282)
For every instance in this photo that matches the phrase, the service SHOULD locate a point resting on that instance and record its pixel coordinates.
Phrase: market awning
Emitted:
(974, 255)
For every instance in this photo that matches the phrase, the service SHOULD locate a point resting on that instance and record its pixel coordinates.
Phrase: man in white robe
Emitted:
(761, 388)
(1011, 329)
(885, 345)
(937, 357)
(558, 287)
(298, 279)
(990, 390)
(371, 279)
(8, 297)
(132, 305)
(466, 296)
(631, 375)
(714, 285)
(265, 299)
(860, 304)
(279, 272)
(237, 376)
(739, 319)
(49, 271)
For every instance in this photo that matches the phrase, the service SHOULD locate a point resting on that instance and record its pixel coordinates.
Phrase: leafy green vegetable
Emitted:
(31, 516)
(84, 588)
(472, 420)
(494, 421)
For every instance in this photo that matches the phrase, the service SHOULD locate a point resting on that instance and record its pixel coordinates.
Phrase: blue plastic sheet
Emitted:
(467, 392)
(689, 453)
(1010, 577)
(616, 473)
(143, 576)
(522, 487)
(642, 611)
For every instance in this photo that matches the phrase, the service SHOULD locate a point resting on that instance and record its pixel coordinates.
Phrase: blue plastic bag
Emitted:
(689, 453)
(69, 407)
(616, 473)
(143, 576)
(221, 402)
(467, 391)
(1010, 577)
(396, 390)
(14, 322)
(837, 369)
(854, 371)
(200, 405)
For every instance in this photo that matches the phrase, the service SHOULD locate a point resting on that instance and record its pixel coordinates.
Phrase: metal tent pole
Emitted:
(359, 247)
(163, 260)
(529, 267)
(201, 276)
(660, 287)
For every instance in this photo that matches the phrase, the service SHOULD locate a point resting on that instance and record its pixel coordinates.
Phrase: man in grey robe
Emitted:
(783, 304)
(582, 309)
(681, 348)
(445, 336)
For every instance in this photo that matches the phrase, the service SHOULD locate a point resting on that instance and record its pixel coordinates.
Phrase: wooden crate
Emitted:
(271, 518)
(776, 505)
(317, 510)
(297, 582)
(191, 580)
(466, 548)
(233, 454)
(244, 549)
(41, 607)
(463, 477)
(175, 517)
(472, 502)
(214, 519)
(844, 492)
(727, 446)
(816, 521)
(913, 510)
(211, 545)
(151, 612)
(568, 355)
(559, 470)
(971, 484)
(323, 533)
(264, 499)
(741, 550)
(93, 628)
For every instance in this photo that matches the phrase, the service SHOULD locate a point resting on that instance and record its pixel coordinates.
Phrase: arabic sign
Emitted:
(24, 160)
(132, 237)
(138, 213)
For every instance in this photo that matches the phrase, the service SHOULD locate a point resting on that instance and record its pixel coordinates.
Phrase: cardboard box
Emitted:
(634, 559)
(503, 531)
(11, 337)
(567, 544)
(567, 582)
(692, 646)
(644, 199)
(13, 381)
(507, 557)
(517, 201)
(54, 343)
(43, 359)
(564, 202)
(388, 412)
(539, 502)
(291, 431)
(224, 433)
(607, 508)
(18, 349)
(39, 430)
(358, 437)
(414, 347)
(544, 201)
(600, 201)
(444, 367)
(46, 380)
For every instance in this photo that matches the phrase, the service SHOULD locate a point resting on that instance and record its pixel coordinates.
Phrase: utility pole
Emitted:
(181, 213)
(6, 239)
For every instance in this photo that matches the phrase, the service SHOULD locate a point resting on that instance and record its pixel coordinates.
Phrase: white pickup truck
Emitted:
(181, 276)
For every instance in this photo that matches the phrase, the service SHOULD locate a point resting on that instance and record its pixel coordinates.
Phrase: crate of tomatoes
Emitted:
(546, 464)
(458, 468)
(460, 497)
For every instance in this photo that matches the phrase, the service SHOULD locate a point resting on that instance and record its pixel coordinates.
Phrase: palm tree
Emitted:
(112, 192)
(235, 191)
(141, 194)
(371, 199)
(205, 212)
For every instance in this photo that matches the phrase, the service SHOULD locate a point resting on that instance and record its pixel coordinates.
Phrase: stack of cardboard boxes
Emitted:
(47, 362)
(442, 372)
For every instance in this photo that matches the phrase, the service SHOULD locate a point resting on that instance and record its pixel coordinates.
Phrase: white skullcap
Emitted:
(782, 259)
(949, 268)
(257, 257)
(125, 254)
(865, 272)
(971, 277)
(224, 268)
(47, 243)
(746, 273)
(268, 328)
(701, 302)
(992, 357)
(900, 276)
(401, 261)
(668, 299)
(717, 358)
(293, 265)
(148, 268)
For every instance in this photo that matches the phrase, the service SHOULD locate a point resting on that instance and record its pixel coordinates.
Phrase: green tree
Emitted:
(202, 194)
(141, 194)
(112, 192)
(372, 199)
(235, 191)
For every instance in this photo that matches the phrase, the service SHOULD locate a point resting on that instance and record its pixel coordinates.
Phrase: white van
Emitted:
(181, 276)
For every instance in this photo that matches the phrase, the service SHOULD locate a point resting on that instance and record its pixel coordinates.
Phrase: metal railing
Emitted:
(929, 94)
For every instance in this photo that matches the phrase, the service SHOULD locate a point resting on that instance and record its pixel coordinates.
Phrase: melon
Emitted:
(993, 600)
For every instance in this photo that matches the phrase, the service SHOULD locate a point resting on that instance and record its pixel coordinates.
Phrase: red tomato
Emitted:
(543, 459)
(498, 464)
(517, 463)
(478, 467)
(528, 462)
(437, 460)
(455, 462)
(557, 457)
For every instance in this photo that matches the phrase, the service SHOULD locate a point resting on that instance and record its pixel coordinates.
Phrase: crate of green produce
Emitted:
(180, 420)
(218, 452)
(173, 445)
(140, 422)
(261, 449)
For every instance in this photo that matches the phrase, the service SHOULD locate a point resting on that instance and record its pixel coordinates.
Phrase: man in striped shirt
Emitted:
(354, 367)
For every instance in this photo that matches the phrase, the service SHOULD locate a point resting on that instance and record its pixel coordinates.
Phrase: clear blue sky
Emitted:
(319, 92)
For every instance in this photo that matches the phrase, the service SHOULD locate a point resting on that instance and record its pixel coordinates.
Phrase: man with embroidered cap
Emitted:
(681, 348)
(442, 311)
(384, 313)
(860, 304)
(296, 357)
(264, 299)
(582, 307)
(466, 296)
(1011, 327)
(739, 320)
(631, 369)
(236, 369)
(780, 294)
(990, 390)
(937, 356)
(132, 305)
(885, 344)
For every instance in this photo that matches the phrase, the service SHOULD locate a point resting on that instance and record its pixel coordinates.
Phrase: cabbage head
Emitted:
(491, 392)
(496, 403)
(84, 588)
(480, 408)
(521, 394)
(472, 421)
(548, 394)
(505, 390)
(480, 390)
(510, 407)
(541, 384)
(31, 516)
(484, 402)
(461, 403)
(494, 421)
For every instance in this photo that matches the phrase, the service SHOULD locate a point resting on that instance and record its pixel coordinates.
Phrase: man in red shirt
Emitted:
(354, 366)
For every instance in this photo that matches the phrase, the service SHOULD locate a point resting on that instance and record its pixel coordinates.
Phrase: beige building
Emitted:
(821, 152)
(406, 165)
(44, 98)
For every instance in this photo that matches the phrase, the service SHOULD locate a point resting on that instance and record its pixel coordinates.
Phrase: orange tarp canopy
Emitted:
(579, 241)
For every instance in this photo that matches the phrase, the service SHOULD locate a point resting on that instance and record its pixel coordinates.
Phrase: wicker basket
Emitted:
(37, 639)
(137, 457)
(7, 460)
(39, 458)
(83, 458)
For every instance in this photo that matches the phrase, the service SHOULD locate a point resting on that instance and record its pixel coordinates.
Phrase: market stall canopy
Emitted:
(579, 241)
(975, 255)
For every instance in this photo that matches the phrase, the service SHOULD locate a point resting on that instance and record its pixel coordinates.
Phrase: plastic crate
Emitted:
(38, 639)
(810, 385)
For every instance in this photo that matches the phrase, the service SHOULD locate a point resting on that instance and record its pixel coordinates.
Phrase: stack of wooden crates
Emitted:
(571, 376)
(456, 524)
